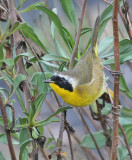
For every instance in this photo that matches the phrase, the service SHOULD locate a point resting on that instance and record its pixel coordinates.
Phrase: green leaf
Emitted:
(46, 122)
(21, 2)
(35, 133)
(47, 68)
(8, 62)
(124, 88)
(51, 147)
(42, 87)
(32, 7)
(41, 130)
(60, 50)
(58, 47)
(104, 45)
(88, 142)
(30, 33)
(20, 99)
(68, 8)
(1, 49)
(128, 132)
(18, 80)
(36, 76)
(5, 90)
(123, 58)
(53, 57)
(23, 147)
(107, 13)
(51, 64)
(62, 67)
(52, 15)
(69, 38)
(123, 120)
(93, 106)
(122, 153)
(126, 112)
(107, 109)
(22, 120)
(51, 116)
(102, 27)
(3, 139)
(7, 27)
(15, 27)
(9, 79)
(85, 30)
(48, 141)
(20, 55)
(38, 103)
(24, 136)
(1, 156)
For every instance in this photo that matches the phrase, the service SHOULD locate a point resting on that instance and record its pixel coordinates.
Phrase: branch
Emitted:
(116, 81)
(20, 63)
(78, 35)
(7, 131)
(125, 19)
(60, 139)
(69, 138)
(44, 153)
(89, 131)
(33, 51)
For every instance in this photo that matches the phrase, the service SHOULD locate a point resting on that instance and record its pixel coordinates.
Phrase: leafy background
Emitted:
(52, 33)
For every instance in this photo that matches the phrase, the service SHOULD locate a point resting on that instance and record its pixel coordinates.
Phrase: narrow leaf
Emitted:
(22, 148)
(1, 156)
(54, 114)
(46, 122)
(87, 141)
(68, 8)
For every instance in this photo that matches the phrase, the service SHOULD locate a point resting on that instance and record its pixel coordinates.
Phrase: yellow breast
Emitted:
(81, 96)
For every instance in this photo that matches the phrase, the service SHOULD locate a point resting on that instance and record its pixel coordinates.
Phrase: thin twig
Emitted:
(78, 35)
(87, 113)
(70, 142)
(89, 131)
(57, 100)
(35, 151)
(126, 141)
(7, 131)
(33, 51)
(116, 81)
(44, 153)
(125, 19)
(60, 138)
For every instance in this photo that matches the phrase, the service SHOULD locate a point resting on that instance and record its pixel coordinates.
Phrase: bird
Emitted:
(85, 83)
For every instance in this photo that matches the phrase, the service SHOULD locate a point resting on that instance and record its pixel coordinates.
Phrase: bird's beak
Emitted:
(49, 81)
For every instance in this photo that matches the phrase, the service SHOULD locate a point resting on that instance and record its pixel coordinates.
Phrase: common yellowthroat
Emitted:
(86, 82)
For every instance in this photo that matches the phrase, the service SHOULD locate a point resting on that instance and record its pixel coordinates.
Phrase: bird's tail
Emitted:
(95, 36)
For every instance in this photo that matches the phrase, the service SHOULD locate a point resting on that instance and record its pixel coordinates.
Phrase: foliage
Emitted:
(57, 60)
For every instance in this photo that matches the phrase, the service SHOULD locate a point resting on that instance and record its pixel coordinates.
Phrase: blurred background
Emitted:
(42, 27)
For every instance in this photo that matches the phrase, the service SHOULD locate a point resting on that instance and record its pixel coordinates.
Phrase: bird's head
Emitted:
(62, 80)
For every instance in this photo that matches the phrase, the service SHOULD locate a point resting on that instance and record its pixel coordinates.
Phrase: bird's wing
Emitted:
(84, 69)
